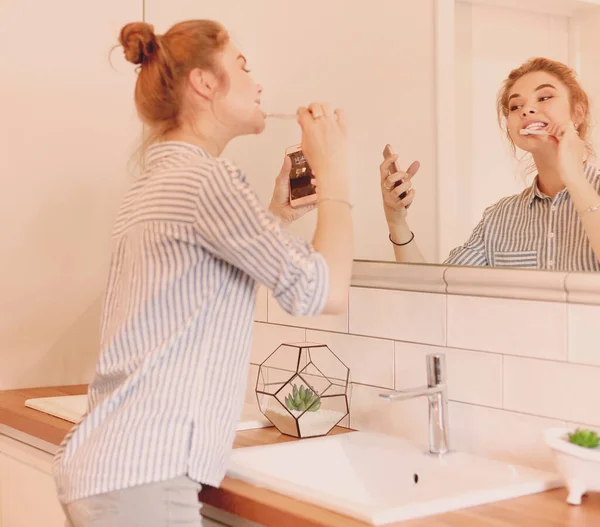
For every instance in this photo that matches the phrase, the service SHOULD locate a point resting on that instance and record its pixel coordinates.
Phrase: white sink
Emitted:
(72, 408)
(381, 479)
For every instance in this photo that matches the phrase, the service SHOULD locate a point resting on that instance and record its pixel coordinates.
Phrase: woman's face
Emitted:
(536, 100)
(238, 104)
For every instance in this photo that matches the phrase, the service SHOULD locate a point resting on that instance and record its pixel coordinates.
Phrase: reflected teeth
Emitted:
(536, 126)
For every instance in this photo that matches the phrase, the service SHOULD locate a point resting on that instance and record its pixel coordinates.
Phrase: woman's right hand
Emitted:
(324, 141)
(394, 207)
(325, 147)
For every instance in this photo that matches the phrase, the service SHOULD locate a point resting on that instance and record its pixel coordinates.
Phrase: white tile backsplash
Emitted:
(398, 315)
(371, 361)
(337, 323)
(251, 385)
(268, 337)
(498, 434)
(552, 389)
(407, 419)
(584, 334)
(513, 327)
(261, 313)
(508, 372)
(473, 377)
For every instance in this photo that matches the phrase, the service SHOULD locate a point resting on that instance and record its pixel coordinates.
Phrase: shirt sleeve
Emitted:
(231, 223)
(472, 252)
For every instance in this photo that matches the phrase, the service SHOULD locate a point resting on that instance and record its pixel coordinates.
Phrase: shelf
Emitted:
(551, 7)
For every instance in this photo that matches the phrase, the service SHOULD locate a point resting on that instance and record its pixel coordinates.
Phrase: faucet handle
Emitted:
(436, 369)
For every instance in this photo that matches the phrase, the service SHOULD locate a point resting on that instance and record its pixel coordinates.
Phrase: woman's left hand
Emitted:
(571, 150)
(280, 202)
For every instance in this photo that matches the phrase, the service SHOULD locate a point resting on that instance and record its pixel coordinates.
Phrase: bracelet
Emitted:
(593, 208)
(336, 199)
(402, 244)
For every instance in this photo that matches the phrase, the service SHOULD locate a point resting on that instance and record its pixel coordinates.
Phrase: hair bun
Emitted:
(138, 41)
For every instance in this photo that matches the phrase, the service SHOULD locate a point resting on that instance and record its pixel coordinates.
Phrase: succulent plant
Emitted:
(585, 438)
(302, 399)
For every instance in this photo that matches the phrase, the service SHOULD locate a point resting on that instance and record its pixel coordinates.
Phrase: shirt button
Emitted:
(553, 209)
(551, 263)
(551, 235)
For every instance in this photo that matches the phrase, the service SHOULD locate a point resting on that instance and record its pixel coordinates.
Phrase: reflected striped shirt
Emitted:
(531, 230)
(191, 243)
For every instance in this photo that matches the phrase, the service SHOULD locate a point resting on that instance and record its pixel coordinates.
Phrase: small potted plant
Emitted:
(303, 389)
(577, 456)
(302, 400)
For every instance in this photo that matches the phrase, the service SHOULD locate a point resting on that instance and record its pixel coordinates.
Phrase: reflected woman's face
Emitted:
(536, 100)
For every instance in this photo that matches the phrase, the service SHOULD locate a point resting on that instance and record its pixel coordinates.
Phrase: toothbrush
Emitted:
(281, 116)
(525, 131)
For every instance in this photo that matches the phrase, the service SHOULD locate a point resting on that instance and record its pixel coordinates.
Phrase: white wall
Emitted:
(374, 59)
(68, 131)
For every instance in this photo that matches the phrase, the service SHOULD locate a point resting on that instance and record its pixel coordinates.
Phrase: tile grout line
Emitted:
(451, 348)
(483, 406)
(394, 381)
(503, 383)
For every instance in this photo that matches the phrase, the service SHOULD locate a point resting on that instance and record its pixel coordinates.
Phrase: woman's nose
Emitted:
(529, 111)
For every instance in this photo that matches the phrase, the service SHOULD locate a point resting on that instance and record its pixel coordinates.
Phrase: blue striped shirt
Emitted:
(531, 230)
(191, 242)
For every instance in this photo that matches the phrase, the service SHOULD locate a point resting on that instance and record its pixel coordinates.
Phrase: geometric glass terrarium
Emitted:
(303, 389)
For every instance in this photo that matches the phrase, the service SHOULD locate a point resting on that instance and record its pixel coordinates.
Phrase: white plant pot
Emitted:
(579, 467)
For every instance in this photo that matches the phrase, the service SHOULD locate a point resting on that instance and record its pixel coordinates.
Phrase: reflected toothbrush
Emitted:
(525, 131)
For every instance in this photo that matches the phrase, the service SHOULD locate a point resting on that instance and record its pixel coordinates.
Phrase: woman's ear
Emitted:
(203, 82)
(578, 115)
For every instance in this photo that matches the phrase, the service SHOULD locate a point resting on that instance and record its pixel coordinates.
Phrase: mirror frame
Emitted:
(520, 284)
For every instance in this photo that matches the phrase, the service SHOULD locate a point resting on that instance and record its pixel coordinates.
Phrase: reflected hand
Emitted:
(571, 150)
(394, 207)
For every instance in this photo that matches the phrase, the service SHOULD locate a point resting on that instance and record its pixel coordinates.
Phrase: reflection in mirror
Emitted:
(552, 224)
(527, 191)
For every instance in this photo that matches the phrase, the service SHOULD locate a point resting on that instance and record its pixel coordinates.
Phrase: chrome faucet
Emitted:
(437, 394)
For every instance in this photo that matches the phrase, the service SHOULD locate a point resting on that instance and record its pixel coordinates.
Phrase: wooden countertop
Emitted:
(547, 509)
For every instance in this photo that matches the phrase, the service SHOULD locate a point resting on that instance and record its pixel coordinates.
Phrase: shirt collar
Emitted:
(534, 193)
(173, 150)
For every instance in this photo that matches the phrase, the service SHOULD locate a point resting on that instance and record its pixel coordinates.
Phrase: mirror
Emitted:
(429, 91)
(490, 41)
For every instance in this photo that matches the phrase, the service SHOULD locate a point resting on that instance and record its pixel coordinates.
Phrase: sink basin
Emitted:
(381, 479)
(72, 407)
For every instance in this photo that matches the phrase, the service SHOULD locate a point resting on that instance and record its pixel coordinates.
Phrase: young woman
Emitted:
(191, 242)
(554, 224)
